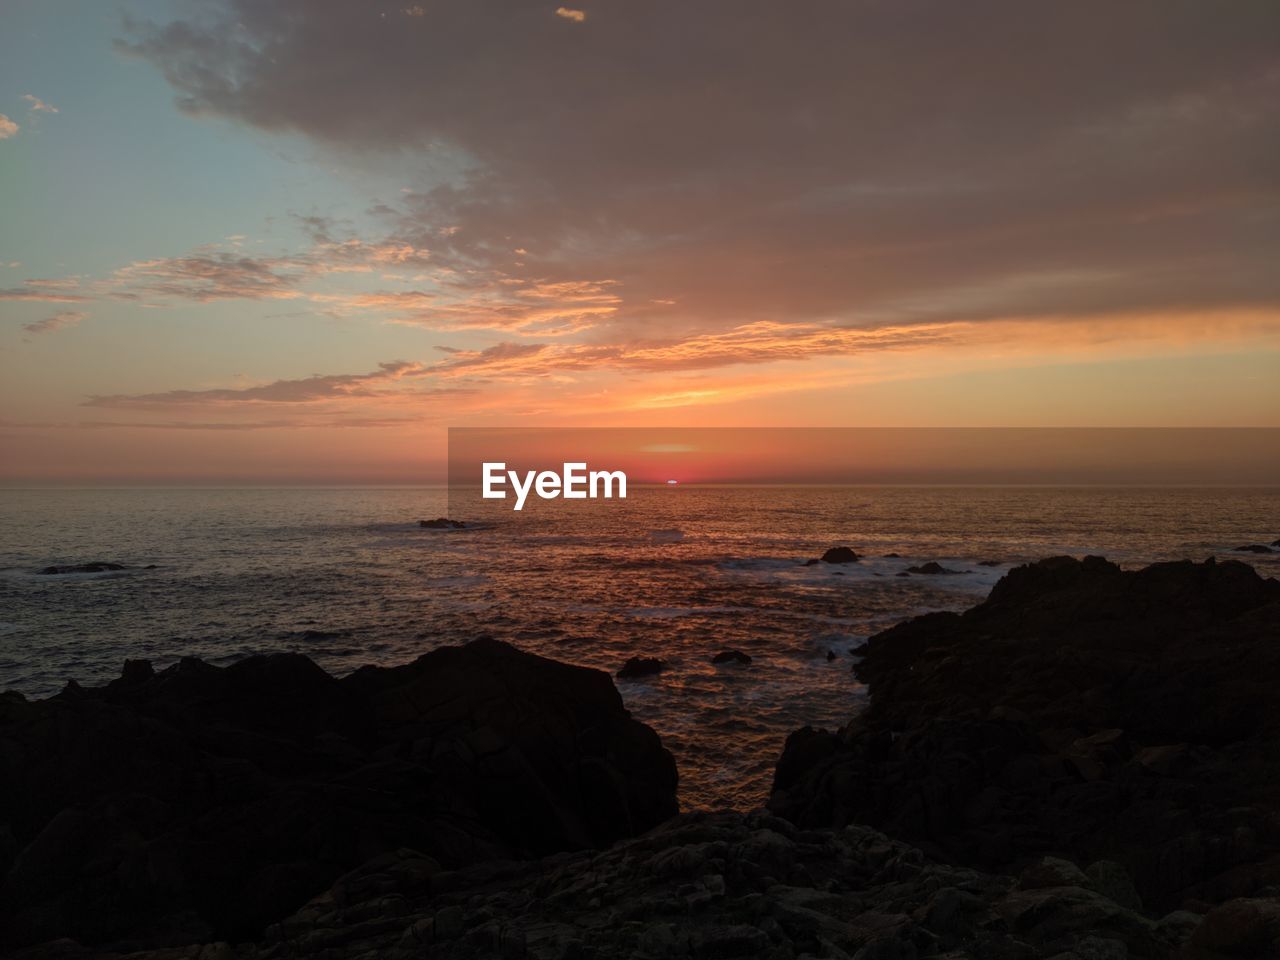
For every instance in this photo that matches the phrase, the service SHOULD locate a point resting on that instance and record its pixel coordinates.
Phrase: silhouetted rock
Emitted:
(442, 523)
(893, 556)
(1080, 711)
(135, 672)
(840, 555)
(731, 656)
(711, 885)
(930, 569)
(99, 566)
(200, 802)
(1254, 548)
(637, 667)
(988, 563)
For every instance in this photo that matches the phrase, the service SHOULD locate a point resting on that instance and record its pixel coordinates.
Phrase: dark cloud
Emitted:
(870, 162)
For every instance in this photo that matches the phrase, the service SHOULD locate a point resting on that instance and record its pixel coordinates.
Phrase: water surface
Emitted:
(347, 577)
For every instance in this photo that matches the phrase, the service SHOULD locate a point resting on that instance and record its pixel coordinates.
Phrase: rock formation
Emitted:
(200, 803)
(97, 566)
(706, 886)
(637, 667)
(840, 555)
(1081, 711)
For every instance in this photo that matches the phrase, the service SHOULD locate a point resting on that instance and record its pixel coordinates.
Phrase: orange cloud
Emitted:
(301, 391)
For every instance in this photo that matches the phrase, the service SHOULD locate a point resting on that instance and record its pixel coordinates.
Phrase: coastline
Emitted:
(968, 872)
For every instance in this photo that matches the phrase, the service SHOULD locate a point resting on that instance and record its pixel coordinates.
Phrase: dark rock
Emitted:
(840, 555)
(731, 656)
(200, 802)
(831, 655)
(893, 556)
(721, 885)
(637, 667)
(1254, 548)
(1238, 928)
(1112, 881)
(442, 523)
(1135, 722)
(988, 563)
(136, 671)
(930, 569)
(1052, 872)
(812, 562)
(99, 566)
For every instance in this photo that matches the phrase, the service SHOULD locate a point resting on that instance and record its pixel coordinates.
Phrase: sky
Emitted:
(297, 241)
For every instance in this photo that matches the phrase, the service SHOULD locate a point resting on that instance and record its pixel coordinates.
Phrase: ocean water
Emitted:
(347, 577)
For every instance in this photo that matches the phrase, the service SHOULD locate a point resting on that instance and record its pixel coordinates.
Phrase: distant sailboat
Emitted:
(672, 482)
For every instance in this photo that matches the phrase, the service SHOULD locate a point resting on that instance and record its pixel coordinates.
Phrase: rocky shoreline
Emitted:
(1083, 766)
(207, 803)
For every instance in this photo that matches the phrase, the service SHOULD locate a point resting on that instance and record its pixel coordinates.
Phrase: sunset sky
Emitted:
(295, 241)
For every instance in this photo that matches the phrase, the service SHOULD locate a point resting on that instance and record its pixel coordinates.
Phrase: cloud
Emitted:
(7, 127)
(211, 276)
(301, 391)
(568, 13)
(494, 301)
(53, 290)
(766, 342)
(866, 164)
(59, 321)
(38, 105)
(755, 343)
(294, 423)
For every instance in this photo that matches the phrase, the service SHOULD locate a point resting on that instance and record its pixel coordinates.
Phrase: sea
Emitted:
(348, 577)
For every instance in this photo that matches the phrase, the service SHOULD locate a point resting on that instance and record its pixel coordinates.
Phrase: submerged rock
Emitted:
(1254, 548)
(731, 656)
(442, 523)
(201, 802)
(99, 566)
(637, 667)
(931, 568)
(1080, 711)
(840, 555)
